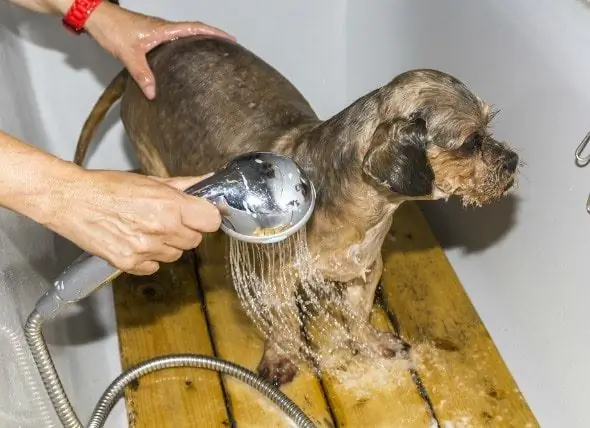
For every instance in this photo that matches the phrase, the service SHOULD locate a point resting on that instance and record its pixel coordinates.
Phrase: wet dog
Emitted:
(424, 135)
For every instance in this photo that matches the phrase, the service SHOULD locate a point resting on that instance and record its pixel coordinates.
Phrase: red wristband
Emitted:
(78, 14)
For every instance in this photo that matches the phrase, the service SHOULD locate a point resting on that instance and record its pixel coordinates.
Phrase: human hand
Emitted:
(129, 36)
(132, 221)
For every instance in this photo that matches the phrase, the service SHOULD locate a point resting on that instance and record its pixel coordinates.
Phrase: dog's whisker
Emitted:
(494, 112)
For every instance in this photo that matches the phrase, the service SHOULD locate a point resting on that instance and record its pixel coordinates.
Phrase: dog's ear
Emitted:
(397, 159)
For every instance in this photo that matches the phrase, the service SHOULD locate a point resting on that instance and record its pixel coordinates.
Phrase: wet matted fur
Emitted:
(424, 135)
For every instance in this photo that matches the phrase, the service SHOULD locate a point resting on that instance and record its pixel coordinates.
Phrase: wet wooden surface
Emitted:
(236, 339)
(160, 315)
(459, 365)
(370, 395)
(457, 378)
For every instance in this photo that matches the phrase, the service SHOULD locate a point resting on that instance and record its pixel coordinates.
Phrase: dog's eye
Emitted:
(472, 143)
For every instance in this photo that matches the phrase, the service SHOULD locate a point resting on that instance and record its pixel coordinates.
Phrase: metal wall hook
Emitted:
(582, 161)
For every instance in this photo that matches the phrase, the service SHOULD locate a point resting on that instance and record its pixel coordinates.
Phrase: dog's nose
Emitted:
(510, 161)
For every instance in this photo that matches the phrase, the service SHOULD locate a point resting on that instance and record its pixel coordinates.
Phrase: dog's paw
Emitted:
(390, 345)
(277, 369)
(379, 344)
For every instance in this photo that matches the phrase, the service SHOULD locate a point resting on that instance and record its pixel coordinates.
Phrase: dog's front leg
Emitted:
(360, 296)
(278, 364)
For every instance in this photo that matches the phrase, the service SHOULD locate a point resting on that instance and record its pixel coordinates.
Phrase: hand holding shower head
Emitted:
(263, 197)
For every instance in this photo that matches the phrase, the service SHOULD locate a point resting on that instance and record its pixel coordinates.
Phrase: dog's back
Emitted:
(214, 100)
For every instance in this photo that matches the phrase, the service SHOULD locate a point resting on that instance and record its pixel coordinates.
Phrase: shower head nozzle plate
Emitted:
(264, 197)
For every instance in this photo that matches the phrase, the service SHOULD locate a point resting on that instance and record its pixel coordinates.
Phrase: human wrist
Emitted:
(99, 18)
(81, 15)
(40, 186)
(57, 197)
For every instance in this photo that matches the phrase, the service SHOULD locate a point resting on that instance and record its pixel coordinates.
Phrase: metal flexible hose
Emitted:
(116, 388)
(67, 415)
(44, 363)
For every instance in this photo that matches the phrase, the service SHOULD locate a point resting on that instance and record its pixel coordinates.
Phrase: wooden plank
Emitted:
(376, 394)
(237, 340)
(159, 315)
(465, 377)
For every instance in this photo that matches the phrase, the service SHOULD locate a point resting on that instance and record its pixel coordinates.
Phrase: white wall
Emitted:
(521, 261)
(524, 261)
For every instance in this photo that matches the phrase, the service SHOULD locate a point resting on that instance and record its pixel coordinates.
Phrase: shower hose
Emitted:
(67, 415)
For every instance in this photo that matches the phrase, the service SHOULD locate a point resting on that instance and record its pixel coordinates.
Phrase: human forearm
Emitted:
(58, 7)
(130, 220)
(96, 21)
(32, 181)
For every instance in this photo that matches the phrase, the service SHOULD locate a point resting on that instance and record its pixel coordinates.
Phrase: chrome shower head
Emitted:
(263, 197)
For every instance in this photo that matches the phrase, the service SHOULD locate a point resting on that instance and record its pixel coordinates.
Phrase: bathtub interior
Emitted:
(520, 261)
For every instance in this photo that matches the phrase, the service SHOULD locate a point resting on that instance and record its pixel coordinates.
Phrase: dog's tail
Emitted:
(110, 95)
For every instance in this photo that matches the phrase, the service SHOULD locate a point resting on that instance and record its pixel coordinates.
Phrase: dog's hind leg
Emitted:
(360, 296)
(149, 158)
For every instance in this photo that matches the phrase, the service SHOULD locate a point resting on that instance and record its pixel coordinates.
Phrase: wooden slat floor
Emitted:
(458, 379)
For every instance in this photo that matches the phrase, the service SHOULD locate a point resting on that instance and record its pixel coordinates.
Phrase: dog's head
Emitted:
(437, 139)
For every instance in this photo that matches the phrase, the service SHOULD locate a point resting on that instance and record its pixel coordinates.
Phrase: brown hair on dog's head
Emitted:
(438, 139)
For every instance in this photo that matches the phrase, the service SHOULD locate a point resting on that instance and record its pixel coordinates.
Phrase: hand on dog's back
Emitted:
(133, 221)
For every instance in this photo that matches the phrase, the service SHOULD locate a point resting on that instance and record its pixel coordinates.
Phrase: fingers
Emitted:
(188, 239)
(151, 262)
(129, 36)
(197, 214)
(181, 29)
(144, 268)
(142, 222)
(181, 183)
(168, 254)
(137, 64)
(139, 69)
(200, 214)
